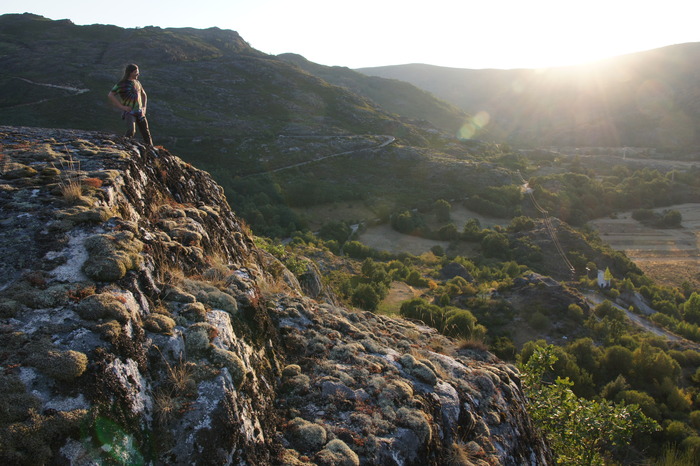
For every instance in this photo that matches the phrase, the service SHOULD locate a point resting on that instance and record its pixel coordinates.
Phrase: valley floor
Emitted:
(669, 256)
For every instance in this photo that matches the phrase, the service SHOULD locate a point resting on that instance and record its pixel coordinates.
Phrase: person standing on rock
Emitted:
(129, 96)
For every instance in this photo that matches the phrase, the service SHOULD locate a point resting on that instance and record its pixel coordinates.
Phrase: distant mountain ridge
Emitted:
(644, 99)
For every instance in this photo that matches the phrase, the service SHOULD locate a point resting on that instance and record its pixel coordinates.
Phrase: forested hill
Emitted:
(201, 84)
(646, 99)
(240, 114)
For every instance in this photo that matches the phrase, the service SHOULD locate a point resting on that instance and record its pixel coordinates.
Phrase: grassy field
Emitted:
(670, 256)
(384, 238)
(398, 293)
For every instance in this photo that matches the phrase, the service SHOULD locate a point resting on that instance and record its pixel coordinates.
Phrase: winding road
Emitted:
(75, 90)
(388, 140)
(595, 299)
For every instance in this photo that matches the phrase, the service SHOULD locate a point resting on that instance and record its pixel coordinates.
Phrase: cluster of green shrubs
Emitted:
(633, 369)
(449, 320)
(579, 197)
(367, 289)
(669, 218)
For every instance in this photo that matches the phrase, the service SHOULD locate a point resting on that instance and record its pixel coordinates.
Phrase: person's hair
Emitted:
(128, 70)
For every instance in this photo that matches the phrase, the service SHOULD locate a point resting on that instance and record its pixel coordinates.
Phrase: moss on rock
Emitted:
(195, 312)
(159, 323)
(228, 359)
(337, 453)
(15, 401)
(19, 170)
(30, 442)
(306, 436)
(83, 214)
(111, 256)
(418, 370)
(415, 420)
(175, 294)
(103, 306)
(61, 365)
(198, 338)
(9, 308)
(110, 330)
(291, 370)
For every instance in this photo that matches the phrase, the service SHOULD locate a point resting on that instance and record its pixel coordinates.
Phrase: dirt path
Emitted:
(75, 91)
(595, 299)
(388, 140)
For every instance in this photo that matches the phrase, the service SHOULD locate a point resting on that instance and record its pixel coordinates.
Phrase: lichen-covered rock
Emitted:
(134, 330)
(198, 338)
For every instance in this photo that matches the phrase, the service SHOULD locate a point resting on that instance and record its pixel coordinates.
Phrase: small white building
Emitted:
(604, 278)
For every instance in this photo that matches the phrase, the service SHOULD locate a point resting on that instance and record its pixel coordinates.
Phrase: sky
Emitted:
(502, 34)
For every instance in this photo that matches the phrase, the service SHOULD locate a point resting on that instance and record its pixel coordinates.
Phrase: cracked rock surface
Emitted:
(140, 324)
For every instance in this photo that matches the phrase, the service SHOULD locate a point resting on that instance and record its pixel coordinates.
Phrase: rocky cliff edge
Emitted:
(140, 324)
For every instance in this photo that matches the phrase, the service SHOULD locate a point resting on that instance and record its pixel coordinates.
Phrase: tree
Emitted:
(496, 245)
(587, 354)
(442, 210)
(472, 230)
(366, 297)
(652, 365)
(521, 223)
(338, 231)
(691, 309)
(448, 232)
(420, 309)
(460, 323)
(671, 219)
(579, 430)
(617, 360)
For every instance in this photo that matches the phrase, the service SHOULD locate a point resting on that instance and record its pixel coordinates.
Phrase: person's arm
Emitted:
(115, 101)
(144, 101)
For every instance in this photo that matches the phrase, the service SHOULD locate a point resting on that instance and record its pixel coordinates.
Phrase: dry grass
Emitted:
(180, 376)
(71, 191)
(473, 344)
(166, 406)
(270, 286)
(70, 180)
(218, 271)
(245, 228)
(460, 455)
(4, 162)
(667, 255)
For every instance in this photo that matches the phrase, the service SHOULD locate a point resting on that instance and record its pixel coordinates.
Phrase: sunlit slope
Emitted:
(647, 99)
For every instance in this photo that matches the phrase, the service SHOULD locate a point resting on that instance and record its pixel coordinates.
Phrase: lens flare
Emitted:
(654, 98)
(474, 125)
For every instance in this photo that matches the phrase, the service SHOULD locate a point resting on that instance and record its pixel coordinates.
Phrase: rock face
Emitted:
(140, 324)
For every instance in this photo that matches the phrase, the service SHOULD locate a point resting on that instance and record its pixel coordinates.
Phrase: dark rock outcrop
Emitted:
(141, 324)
